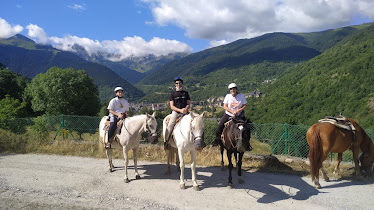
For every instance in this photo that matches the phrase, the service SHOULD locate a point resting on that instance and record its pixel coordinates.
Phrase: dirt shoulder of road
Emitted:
(66, 182)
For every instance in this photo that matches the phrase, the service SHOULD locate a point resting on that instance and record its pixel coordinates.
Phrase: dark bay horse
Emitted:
(325, 137)
(233, 140)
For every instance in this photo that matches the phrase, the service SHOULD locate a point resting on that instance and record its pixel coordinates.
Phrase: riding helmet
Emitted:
(118, 88)
(232, 85)
(178, 78)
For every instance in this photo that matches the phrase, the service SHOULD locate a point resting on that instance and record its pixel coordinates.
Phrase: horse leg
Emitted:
(324, 174)
(135, 153)
(236, 160)
(168, 162)
(230, 166)
(222, 163)
(338, 161)
(125, 153)
(193, 170)
(181, 165)
(109, 156)
(356, 151)
(177, 160)
(239, 168)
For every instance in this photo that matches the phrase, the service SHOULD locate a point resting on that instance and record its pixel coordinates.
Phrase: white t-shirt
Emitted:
(119, 105)
(234, 103)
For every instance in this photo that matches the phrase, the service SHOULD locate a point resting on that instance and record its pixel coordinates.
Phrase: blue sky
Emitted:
(139, 27)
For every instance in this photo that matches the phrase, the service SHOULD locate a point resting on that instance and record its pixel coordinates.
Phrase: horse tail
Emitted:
(315, 152)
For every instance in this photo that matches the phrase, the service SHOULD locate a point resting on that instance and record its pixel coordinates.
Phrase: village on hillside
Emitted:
(210, 102)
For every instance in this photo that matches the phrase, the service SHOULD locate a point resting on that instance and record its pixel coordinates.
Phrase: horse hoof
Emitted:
(182, 186)
(241, 180)
(229, 186)
(137, 177)
(111, 170)
(196, 188)
(326, 179)
(317, 186)
(126, 180)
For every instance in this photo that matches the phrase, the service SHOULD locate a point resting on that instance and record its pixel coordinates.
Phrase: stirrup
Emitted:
(215, 142)
(108, 146)
(249, 148)
(166, 145)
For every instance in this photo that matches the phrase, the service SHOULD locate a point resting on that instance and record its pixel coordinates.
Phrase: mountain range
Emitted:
(24, 56)
(303, 76)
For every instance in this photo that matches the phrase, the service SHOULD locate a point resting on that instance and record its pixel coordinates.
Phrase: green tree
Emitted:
(64, 91)
(11, 83)
(10, 108)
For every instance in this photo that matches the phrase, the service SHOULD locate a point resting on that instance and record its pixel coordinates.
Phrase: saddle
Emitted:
(118, 130)
(340, 122)
(179, 118)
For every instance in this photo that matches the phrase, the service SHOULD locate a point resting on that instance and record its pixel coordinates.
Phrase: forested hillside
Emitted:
(340, 80)
(28, 58)
(248, 62)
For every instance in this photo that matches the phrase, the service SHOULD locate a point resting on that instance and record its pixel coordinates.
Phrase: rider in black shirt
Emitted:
(179, 103)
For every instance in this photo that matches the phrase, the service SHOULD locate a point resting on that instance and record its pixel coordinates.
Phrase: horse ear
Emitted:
(202, 115)
(154, 114)
(193, 115)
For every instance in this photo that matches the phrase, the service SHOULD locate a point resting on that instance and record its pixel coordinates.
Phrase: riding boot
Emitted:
(216, 141)
(166, 140)
(248, 147)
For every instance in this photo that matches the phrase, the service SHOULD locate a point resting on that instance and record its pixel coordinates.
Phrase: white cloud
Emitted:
(6, 30)
(113, 49)
(138, 47)
(231, 20)
(126, 48)
(77, 7)
(37, 33)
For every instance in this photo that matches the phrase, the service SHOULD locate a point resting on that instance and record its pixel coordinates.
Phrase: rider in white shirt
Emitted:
(118, 108)
(234, 105)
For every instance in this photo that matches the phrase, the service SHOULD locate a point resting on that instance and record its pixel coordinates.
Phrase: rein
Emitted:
(147, 129)
(180, 130)
(235, 135)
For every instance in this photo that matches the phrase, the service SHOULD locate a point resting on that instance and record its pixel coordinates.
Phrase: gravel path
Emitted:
(31, 181)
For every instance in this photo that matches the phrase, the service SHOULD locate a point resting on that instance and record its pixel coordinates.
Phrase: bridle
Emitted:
(148, 129)
(236, 136)
(195, 138)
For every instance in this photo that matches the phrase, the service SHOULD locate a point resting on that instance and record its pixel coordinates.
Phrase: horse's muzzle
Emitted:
(199, 143)
(154, 138)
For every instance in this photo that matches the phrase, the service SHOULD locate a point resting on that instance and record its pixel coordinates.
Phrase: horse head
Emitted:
(197, 130)
(151, 127)
(367, 156)
(236, 131)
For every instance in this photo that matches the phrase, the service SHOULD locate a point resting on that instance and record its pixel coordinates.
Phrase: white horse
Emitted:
(129, 138)
(188, 135)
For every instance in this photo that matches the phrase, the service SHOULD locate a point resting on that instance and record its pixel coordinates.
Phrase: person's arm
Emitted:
(239, 110)
(174, 108)
(120, 115)
(226, 107)
(185, 109)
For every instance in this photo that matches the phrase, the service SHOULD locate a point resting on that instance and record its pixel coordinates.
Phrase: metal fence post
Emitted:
(287, 137)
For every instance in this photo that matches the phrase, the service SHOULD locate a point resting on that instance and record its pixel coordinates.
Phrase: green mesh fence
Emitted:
(283, 138)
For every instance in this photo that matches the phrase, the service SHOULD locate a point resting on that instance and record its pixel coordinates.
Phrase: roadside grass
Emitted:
(258, 159)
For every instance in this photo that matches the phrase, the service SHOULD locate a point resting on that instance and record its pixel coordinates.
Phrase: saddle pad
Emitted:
(346, 125)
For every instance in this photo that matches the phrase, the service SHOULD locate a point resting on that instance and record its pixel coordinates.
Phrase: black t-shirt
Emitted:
(180, 98)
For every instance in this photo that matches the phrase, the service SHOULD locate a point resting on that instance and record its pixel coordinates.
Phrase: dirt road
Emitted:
(63, 182)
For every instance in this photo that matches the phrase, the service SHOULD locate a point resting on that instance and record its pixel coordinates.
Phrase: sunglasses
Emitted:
(178, 83)
(232, 88)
